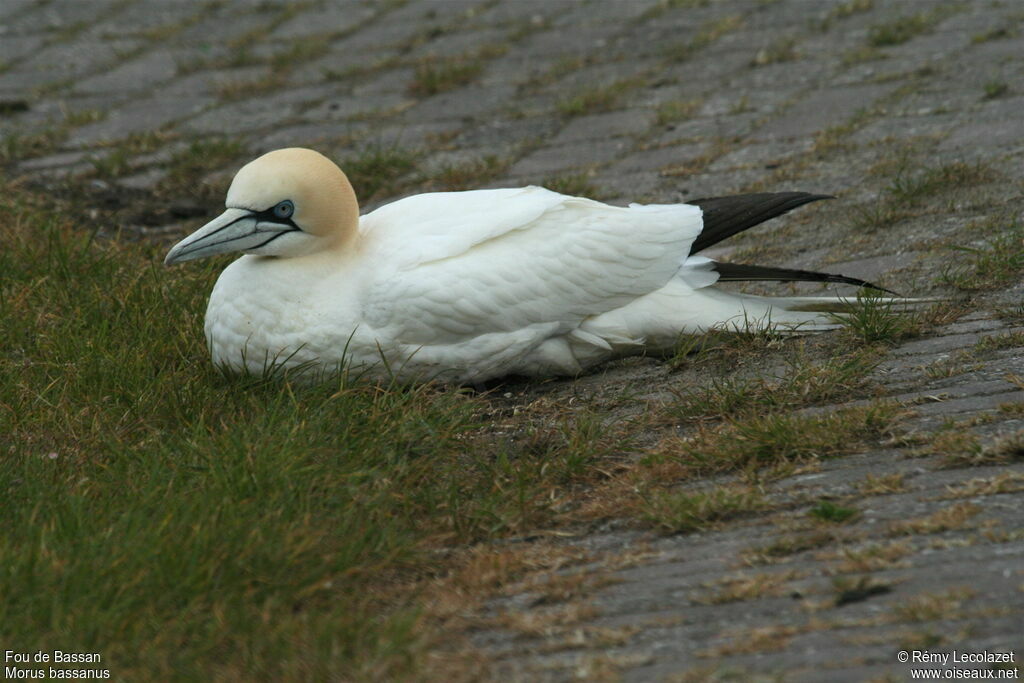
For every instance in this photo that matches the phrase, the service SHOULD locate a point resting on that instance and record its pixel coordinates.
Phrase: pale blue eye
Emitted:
(284, 209)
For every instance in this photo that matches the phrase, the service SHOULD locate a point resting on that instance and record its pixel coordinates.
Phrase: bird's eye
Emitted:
(284, 209)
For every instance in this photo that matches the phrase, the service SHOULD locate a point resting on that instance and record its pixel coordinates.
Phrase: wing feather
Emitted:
(452, 266)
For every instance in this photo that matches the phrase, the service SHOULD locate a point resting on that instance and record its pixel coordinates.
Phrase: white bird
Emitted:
(469, 286)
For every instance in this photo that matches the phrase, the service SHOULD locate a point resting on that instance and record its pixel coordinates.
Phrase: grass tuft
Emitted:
(876, 318)
(844, 10)
(468, 174)
(995, 89)
(379, 170)
(708, 34)
(782, 50)
(596, 99)
(827, 511)
(802, 383)
(939, 605)
(196, 160)
(435, 75)
(676, 512)
(849, 591)
(902, 29)
(774, 439)
(574, 184)
(996, 262)
(677, 110)
(17, 146)
(727, 343)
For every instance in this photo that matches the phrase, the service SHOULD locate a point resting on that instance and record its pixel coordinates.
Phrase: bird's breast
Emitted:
(266, 312)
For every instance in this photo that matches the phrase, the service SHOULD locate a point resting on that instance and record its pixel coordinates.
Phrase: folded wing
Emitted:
(453, 266)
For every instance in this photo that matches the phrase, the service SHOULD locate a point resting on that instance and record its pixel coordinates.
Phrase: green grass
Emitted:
(843, 11)
(782, 50)
(726, 344)
(597, 99)
(466, 175)
(706, 35)
(802, 383)
(786, 546)
(677, 110)
(200, 157)
(911, 186)
(244, 88)
(82, 117)
(995, 89)
(676, 512)
(574, 184)
(1000, 33)
(16, 146)
(190, 525)
(996, 262)
(877, 318)
(902, 29)
(435, 75)
(827, 511)
(772, 439)
(113, 164)
(378, 169)
(300, 51)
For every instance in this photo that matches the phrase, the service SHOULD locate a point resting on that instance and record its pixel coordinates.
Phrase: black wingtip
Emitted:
(739, 272)
(724, 217)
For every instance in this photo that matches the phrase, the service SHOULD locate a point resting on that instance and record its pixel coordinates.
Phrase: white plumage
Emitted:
(457, 286)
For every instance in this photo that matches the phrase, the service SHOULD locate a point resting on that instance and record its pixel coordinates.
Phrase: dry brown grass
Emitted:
(742, 587)
(870, 558)
(873, 485)
(949, 518)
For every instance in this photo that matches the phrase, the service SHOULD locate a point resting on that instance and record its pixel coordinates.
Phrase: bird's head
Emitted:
(289, 202)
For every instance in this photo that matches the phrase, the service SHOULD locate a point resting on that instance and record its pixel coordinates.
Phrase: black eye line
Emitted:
(268, 215)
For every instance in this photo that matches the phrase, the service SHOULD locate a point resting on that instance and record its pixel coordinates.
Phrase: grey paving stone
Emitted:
(12, 8)
(15, 47)
(820, 109)
(382, 33)
(707, 128)
(875, 267)
(607, 125)
(763, 155)
(654, 160)
(971, 404)
(81, 56)
(221, 27)
(141, 18)
(462, 44)
(142, 115)
(142, 73)
(144, 180)
(328, 19)
(472, 101)
(211, 82)
(246, 115)
(52, 161)
(552, 160)
(57, 16)
(21, 81)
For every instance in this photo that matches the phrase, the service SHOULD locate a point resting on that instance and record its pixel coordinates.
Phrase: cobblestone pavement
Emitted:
(909, 111)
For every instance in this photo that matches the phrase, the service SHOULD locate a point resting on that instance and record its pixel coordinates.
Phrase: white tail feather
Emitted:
(662, 316)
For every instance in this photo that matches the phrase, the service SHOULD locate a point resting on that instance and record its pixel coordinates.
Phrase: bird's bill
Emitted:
(233, 230)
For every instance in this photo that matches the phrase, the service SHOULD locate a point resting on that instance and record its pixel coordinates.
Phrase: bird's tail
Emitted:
(732, 310)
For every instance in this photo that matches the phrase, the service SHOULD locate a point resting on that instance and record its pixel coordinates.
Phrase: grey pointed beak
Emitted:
(233, 230)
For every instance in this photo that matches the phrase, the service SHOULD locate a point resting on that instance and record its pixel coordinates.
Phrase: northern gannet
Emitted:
(469, 286)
